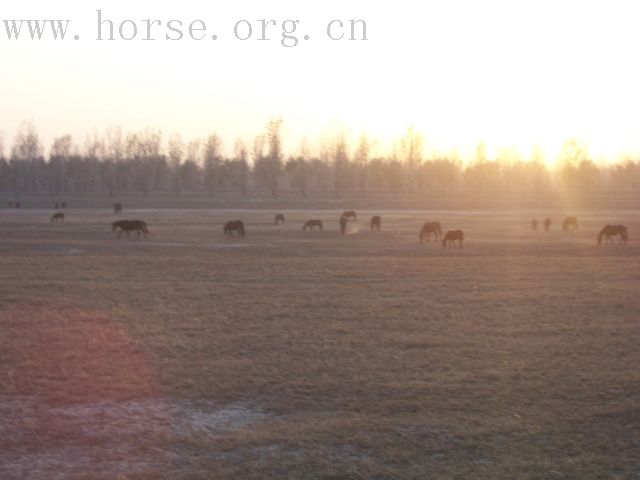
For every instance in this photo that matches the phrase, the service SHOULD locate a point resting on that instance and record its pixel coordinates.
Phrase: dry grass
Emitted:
(312, 355)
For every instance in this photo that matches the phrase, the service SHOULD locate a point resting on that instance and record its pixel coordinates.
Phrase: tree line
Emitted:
(117, 163)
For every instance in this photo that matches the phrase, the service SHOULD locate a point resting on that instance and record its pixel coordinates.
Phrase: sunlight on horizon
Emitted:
(460, 73)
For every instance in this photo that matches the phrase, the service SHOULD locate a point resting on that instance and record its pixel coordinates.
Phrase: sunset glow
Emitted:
(512, 75)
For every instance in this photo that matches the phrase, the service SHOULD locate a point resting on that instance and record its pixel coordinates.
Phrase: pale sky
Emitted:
(513, 74)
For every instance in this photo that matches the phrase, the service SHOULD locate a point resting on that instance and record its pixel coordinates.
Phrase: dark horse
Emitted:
(610, 231)
(127, 226)
(311, 224)
(547, 224)
(117, 208)
(570, 223)
(234, 226)
(534, 224)
(343, 224)
(278, 219)
(376, 223)
(350, 215)
(431, 228)
(59, 216)
(451, 237)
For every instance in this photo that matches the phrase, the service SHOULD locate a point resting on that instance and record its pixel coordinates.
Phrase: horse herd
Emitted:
(607, 233)
(428, 231)
(236, 227)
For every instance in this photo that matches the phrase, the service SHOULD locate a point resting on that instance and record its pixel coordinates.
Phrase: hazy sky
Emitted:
(511, 73)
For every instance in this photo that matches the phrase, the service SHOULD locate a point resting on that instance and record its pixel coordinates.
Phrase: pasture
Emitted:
(292, 354)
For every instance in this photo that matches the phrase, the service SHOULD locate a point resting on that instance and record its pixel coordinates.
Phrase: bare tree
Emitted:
(212, 162)
(361, 159)
(176, 154)
(268, 166)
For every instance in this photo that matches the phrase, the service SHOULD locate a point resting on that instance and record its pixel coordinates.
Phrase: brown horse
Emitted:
(534, 224)
(127, 226)
(59, 216)
(311, 224)
(117, 208)
(570, 223)
(451, 237)
(279, 218)
(233, 227)
(350, 215)
(376, 223)
(547, 224)
(610, 231)
(431, 228)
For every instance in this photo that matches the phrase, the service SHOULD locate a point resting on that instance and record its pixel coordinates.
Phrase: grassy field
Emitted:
(288, 354)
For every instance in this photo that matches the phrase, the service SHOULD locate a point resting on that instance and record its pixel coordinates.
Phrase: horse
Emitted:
(534, 224)
(17, 204)
(547, 224)
(117, 208)
(451, 237)
(234, 226)
(311, 224)
(127, 226)
(350, 215)
(376, 223)
(610, 231)
(343, 224)
(279, 218)
(63, 205)
(431, 228)
(59, 216)
(570, 223)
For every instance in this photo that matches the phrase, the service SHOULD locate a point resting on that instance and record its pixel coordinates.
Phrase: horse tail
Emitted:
(601, 234)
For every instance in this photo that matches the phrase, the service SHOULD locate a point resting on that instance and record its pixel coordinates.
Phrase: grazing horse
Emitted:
(610, 231)
(534, 224)
(311, 224)
(234, 226)
(451, 237)
(279, 218)
(59, 216)
(547, 224)
(376, 223)
(350, 215)
(431, 228)
(570, 223)
(127, 226)
(117, 208)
